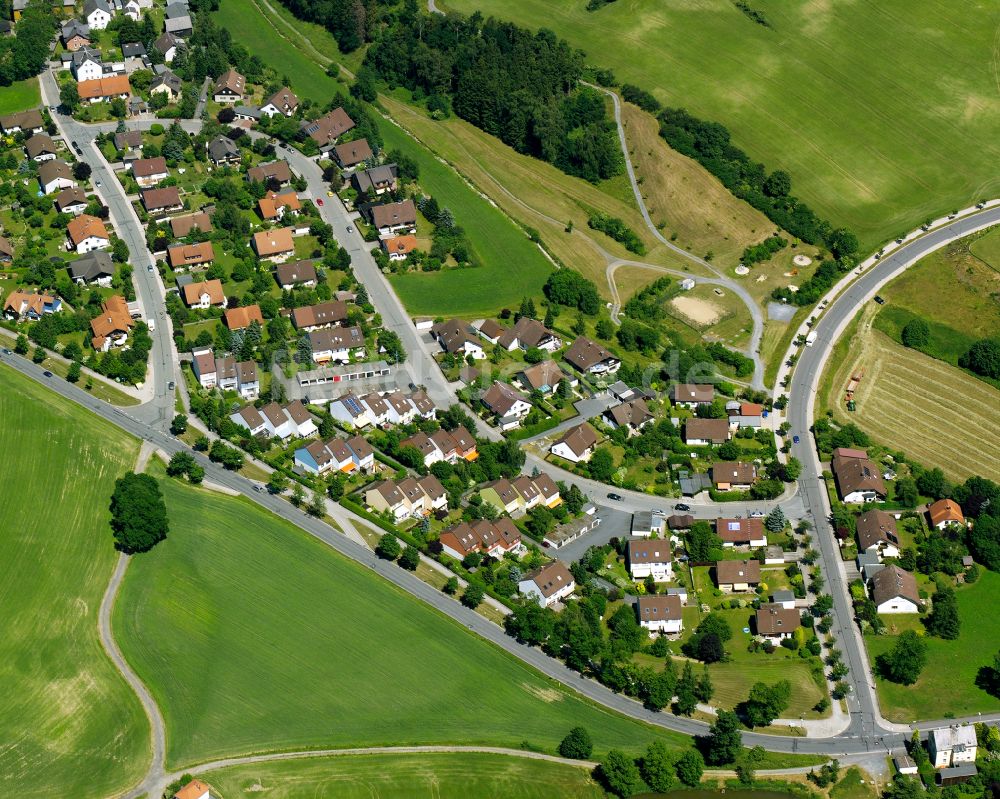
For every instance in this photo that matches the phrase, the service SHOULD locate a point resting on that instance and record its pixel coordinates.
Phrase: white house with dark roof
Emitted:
(649, 557)
(660, 614)
(547, 585)
(577, 444)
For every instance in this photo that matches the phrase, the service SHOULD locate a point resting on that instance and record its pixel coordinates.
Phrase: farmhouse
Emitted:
(87, 233)
(230, 87)
(506, 404)
(94, 267)
(649, 557)
(150, 171)
(54, 175)
(296, 274)
(329, 127)
(952, 746)
(455, 338)
(737, 575)
(22, 305)
(182, 226)
(894, 590)
(392, 218)
(349, 154)
(741, 532)
(591, 358)
(282, 102)
(632, 415)
(858, 479)
(775, 622)
(335, 343)
(494, 538)
(161, 201)
(944, 513)
(243, 316)
(185, 256)
(545, 377)
(274, 245)
(691, 395)
(701, 432)
(204, 294)
(728, 476)
(661, 615)
(577, 444)
(71, 201)
(324, 314)
(876, 531)
(548, 585)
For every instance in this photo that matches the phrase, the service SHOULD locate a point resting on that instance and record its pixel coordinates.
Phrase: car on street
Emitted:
(149, 267)
(319, 201)
(795, 439)
(659, 511)
(47, 373)
(97, 183)
(171, 385)
(880, 299)
(329, 194)
(6, 351)
(757, 514)
(682, 506)
(259, 489)
(615, 497)
(350, 229)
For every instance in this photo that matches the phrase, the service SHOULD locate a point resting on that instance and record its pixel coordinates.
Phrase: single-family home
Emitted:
(230, 87)
(87, 233)
(168, 84)
(691, 395)
(745, 414)
(321, 457)
(485, 537)
(733, 476)
(274, 245)
(182, 226)
(71, 201)
(278, 171)
(737, 575)
(491, 330)
(23, 122)
(273, 206)
(74, 34)
(86, 64)
(502, 496)
(95, 267)
(455, 337)
(649, 557)
(393, 218)
(527, 491)
(952, 745)
(150, 171)
(167, 44)
(40, 147)
(398, 248)
(858, 478)
(222, 150)
(424, 405)
(104, 89)
(179, 26)
(944, 513)
(324, 314)
(590, 357)
(680, 521)
(545, 377)
(375, 180)
(577, 444)
(296, 274)
(741, 532)
(400, 499)
(349, 409)
(196, 789)
(894, 590)
(185, 256)
(423, 444)
(243, 316)
(377, 407)
(506, 404)
(702, 432)
(660, 614)
(401, 409)
(128, 141)
(527, 334)
(547, 585)
(336, 344)
(110, 328)
(877, 532)
(247, 381)
(29, 306)
(161, 201)
(351, 153)
(98, 14)
(54, 175)
(328, 128)
(282, 102)
(775, 622)
(248, 114)
(632, 415)
(204, 294)
(203, 367)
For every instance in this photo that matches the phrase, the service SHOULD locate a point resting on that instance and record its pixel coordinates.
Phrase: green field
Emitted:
(883, 113)
(947, 683)
(70, 724)
(397, 776)
(20, 96)
(267, 640)
(986, 247)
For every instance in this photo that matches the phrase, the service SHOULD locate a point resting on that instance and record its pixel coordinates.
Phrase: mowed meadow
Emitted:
(883, 113)
(267, 640)
(69, 723)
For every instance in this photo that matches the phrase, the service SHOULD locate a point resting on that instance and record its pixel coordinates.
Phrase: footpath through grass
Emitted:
(70, 724)
(253, 637)
(20, 96)
(392, 776)
(947, 685)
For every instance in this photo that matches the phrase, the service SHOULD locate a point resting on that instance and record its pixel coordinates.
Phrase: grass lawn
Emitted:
(853, 785)
(20, 96)
(72, 726)
(267, 640)
(393, 776)
(947, 683)
(986, 247)
(875, 138)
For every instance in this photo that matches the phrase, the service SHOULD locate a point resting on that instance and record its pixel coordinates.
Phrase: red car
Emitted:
(319, 201)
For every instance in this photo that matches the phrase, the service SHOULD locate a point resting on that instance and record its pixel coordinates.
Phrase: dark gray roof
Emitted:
(168, 79)
(166, 41)
(175, 10)
(92, 266)
(178, 24)
(220, 147)
(91, 5)
(133, 50)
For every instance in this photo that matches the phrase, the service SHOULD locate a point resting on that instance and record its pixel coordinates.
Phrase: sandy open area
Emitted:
(700, 312)
(802, 260)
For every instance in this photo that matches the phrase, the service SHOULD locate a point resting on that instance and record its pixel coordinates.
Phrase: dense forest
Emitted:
(23, 54)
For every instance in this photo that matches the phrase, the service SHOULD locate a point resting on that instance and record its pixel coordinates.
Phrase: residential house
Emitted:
(282, 102)
(324, 314)
(280, 421)
(783, 599)
(547, 489)
(377, 407)
(203, 367)
(527, 334)
(222, 150)
(737, 575)
(376, 180)
(494, 538)
(150, 171)
(104, 89)
(71, 201)
(547, 585)
(277, 171)
(196, 789)
(506, 404)
(491, 330)
(168, 84)
(877, 533)
(455, 338)
(110, 328)
(745, 414)
(362, 454)
(6, 250)
(427, 448)
(400, 499)
(730, 476)
(328, 128)
(741, 532)
(349, 154)
(205, 294)
(87, 233)
(348, 409)
(645, 523)
(167, 44)
(23, 122)
(953, 745)
(774, 623)
(274, 205)
(249, 114)
(398, 248)
(230, 87)
(649, 557)
(274, 245)
(136, 58)
(502, 496)
(247, 381)
(701, 432)
(128, 141)
(577, 444)
(40, 147)
(401, 409)
(336, 344)
(545, 377)
(137, 106)
(321, 457)
(393, 218)
(176, 9)
(661, 615)
(74, 34)
(243, 316)
(183, 226)
(425, 407)
(529, 494)
(98, 14)
(93, 268)
(858, 479)
(86, 63)
(680, 521)
(161, 201)
(691, 395)
(29, 306)
(590, 357)
(55, 175)
(296, 274)
(894, 590)
(944, 513)
(632, 415)
(179, 26)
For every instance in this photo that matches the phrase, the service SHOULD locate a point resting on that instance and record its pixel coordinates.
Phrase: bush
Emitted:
(615, 228)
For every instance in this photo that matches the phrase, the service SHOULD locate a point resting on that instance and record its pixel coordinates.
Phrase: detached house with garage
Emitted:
(230, 87)
(28, 306)
(774, 623)
(456, 338)
(186, 256)
(741, 532)
(328, 128)
(54, 175)
(87, 233)
(691, 395)
(894, 590)
(376, 180)
(548, 585)
(528, 334)
(325, 314)
(858, 478)
(649, 557)
(204, 295)
(944, 513)
(392, 218)
(111, 327)
(221, 150)
(336, 344)
(506, 405)
(243, 316)
(591, 358)
(352, 153)
(150, 171)
(876, 531)
(71, 201)
(161, 201)
(40, 148)
(729, 476)
(282, 102)
(297, 274)
(661, 615)
(93, 268)
(632, 415)
(274, 245)
(737, 575)
(545, 377)
(577, 444)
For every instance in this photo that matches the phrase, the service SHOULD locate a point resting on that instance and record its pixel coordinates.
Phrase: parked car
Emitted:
(47, 373)
(319, 201)
(615, 497)
(757, 514)
(795, 439)
(682, 506)
(171, 385)
(880, 299)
